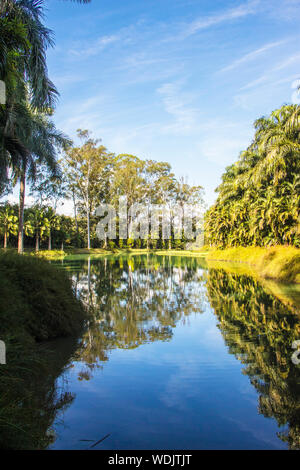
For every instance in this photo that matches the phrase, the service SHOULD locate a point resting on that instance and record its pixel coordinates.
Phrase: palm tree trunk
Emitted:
(5, 240)
(37, 241)
(21, 213)
(49, 241)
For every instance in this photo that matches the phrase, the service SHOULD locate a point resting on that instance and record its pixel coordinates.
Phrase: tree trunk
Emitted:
(88, 205)
(21, 213)
(37, 242)
(75, 217)
(5, 240)
(89, 282)
(49, 241)
(88, 230)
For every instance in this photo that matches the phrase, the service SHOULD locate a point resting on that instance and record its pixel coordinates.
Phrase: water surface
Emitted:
(178, 356)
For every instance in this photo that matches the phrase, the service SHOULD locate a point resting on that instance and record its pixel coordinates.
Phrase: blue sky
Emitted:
(173, 80)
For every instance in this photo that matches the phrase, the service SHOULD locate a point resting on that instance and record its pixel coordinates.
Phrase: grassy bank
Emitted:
(49, 254)
(133, 251)
(37, 304)
(37, 299)
(280, 262)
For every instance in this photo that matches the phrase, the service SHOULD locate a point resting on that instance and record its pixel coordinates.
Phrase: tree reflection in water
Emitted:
(259, 330)
(140, 299)
(134, 301)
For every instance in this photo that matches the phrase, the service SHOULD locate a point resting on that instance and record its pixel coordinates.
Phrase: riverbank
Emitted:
(95, 252)
(37, 304)
(279, 263)
(37, 300)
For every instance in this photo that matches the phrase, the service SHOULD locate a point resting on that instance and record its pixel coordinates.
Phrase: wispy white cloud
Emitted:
(253, 55)
(241, 11)
(141, 59)
(179, 106)
(67, 80)
(98, 46)
(269, 76)
(286, 63)
(224, 146)
(286, 10)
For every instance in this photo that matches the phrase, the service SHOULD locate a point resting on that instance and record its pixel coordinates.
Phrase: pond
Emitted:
(178, 356)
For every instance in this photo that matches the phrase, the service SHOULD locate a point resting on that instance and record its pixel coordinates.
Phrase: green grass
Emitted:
(36, 299)
(280, 262)
(49, 254)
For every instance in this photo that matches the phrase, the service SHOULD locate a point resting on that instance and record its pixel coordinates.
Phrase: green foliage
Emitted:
(130, 243)
(259, 197)
(111, 245)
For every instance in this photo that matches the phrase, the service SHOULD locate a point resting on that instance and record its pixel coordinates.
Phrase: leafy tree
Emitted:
(85, 170)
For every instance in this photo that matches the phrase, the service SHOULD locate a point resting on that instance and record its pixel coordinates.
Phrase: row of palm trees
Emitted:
(259, 197)
(43, 226)
(39, 222)
(28, 136)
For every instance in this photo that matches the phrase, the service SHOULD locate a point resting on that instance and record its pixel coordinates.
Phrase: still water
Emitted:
(178, 356)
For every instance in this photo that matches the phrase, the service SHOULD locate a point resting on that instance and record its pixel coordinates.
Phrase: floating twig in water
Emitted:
(98, 442)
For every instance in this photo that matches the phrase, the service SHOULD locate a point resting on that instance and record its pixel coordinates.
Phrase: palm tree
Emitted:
(40, 224)
(9, 223)
(259, 197)
(53, 224)
(29, 90)
(42, 141)
(278, 140)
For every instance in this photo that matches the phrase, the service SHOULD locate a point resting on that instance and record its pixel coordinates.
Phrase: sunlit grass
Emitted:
(278, 262)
